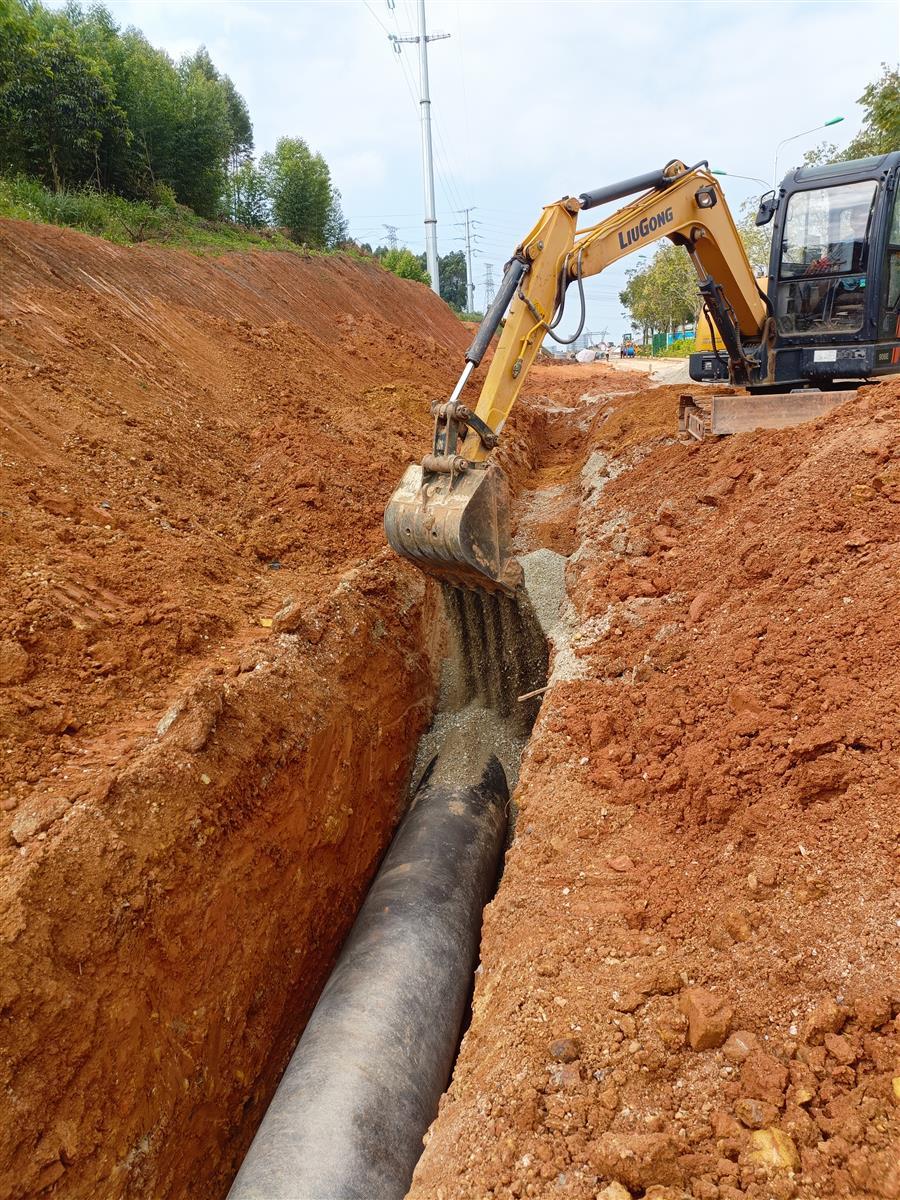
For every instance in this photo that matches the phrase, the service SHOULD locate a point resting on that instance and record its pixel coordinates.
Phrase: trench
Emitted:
(493, 672)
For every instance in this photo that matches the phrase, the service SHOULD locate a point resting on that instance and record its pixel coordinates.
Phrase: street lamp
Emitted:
(731, 175)
(793, 138)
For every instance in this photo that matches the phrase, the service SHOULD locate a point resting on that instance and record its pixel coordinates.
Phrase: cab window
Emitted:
(824, 259)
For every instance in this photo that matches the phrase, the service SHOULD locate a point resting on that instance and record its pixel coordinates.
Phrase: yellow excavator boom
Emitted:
(556, 252)
(450, 514)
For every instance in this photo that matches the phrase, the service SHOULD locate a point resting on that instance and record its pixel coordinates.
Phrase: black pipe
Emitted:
(494, 315)
(363, 1085)
(627, 187)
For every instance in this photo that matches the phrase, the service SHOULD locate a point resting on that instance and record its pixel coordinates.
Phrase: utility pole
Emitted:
(488, 285)
(391, 236)
(423, 38)
(470, 278)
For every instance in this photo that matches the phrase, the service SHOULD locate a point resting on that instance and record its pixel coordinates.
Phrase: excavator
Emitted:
(827, 321)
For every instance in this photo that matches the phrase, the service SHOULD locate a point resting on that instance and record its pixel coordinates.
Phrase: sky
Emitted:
(532, 101)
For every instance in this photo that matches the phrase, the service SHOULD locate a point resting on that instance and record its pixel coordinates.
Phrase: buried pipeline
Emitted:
(363, 1085)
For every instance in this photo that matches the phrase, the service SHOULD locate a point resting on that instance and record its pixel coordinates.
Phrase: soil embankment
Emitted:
(689, 978)
(212, 679)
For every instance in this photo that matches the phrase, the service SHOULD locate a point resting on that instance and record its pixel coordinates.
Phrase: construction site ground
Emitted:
(213, 677)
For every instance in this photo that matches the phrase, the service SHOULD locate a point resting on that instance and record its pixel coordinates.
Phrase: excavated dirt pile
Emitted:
(212, 679)
(689, 983)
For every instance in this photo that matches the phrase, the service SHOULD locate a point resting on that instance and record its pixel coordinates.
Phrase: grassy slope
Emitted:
(128, 222)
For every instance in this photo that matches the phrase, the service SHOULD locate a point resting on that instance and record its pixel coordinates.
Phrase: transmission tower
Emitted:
(488, 285)
(391, 236)
(470, 278)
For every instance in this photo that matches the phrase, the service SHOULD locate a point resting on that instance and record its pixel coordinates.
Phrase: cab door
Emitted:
(889, 300)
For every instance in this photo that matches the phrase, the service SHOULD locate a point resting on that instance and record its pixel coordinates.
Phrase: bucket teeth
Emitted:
(455, 527)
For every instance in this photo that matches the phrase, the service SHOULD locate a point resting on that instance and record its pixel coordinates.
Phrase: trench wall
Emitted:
(150, 1005)
(213, 677)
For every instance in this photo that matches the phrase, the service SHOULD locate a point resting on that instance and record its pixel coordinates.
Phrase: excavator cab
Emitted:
(834, 280)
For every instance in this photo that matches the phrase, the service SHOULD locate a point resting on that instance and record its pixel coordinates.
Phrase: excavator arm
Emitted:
(687, 207)
(450, 515)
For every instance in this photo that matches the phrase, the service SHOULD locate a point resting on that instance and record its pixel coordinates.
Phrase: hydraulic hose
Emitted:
(562, 307)
(363, 1085)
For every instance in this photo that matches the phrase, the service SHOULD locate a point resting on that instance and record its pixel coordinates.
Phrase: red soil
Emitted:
(192, 797)
(193, 801)
(707, 836)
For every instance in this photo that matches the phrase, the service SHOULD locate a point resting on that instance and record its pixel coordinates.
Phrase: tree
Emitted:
(405, 264)
(881, 125)
(337, 231)
(16, 35)
(247, 200)
(202, 137)
(59, 106)
(663, 294)
(240, 148)
(757, 239)
(301, 193)
(150, 90)
(452, 275)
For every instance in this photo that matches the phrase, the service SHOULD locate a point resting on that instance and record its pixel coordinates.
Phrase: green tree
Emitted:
(881, 125)
(202, 138)
(150, 90)
(301, 193)
(247, 201)
(16, 34)
(58, 109)
(452, 275)
(880, 132)
(663, 294)
(337, 231)
(240, 149)
(405, 264)
(757, 239)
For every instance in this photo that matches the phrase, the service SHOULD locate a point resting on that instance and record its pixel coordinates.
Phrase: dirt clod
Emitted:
(637, 1160)
(709, 1017)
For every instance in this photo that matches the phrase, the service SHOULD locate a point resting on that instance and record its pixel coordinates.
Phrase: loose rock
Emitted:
(827, 1017)
(637, 1160)
(755, 1114)
(709, 1018)
(739, 1045)
(565, 1050)
(614, 1191)
(763, 1077)
(36, 815)
(14, 662)
(773, 1148)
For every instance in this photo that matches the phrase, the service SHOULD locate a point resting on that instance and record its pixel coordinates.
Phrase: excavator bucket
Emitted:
(455, 526)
